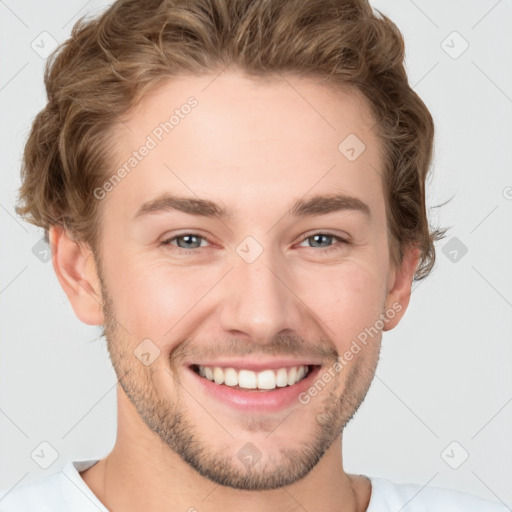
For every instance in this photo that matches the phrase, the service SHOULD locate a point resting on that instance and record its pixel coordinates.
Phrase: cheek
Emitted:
(156, 300)
(348, 298)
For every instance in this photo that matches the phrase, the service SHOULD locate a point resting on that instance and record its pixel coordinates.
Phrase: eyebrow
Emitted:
(316, 205)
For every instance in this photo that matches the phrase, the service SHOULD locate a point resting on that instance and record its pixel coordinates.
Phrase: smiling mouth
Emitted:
(248, 380)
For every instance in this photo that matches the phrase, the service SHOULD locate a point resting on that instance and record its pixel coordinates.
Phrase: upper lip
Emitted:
(257, 365)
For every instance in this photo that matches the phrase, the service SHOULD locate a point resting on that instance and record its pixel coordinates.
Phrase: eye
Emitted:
(323, 238)
(190, 241)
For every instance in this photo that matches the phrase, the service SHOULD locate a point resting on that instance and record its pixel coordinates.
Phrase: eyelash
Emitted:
(343, 241)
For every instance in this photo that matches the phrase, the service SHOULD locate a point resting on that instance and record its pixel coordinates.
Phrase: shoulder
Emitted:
(43, 495)
(64, 491)
(387, 495)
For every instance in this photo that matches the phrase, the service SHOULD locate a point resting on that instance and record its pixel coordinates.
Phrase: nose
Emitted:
(258, 301)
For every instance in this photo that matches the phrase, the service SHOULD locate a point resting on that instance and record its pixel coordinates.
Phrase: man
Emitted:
(235, 191)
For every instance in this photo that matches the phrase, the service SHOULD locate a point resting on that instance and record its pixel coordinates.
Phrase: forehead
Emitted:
(248, 141)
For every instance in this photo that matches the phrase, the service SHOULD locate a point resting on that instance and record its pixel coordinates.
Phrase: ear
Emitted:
(399, 286)
(76, 271)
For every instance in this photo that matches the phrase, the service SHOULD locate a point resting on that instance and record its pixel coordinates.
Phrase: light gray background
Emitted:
(444, 374)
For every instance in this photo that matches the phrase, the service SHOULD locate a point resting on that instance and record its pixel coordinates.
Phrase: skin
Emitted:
(255, 147)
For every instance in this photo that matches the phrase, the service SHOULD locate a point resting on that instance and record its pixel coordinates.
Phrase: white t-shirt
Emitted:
(66, 491)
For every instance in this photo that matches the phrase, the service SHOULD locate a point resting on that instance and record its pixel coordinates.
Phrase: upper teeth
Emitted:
(266, 379)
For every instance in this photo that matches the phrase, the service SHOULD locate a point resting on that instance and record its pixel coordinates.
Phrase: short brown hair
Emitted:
(110, 62)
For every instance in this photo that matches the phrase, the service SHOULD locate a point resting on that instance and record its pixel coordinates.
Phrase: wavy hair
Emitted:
(110, 62)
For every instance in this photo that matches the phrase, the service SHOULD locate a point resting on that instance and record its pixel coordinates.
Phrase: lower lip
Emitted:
(255, 400)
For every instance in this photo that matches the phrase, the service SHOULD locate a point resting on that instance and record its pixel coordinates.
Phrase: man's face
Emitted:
(261, 290)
